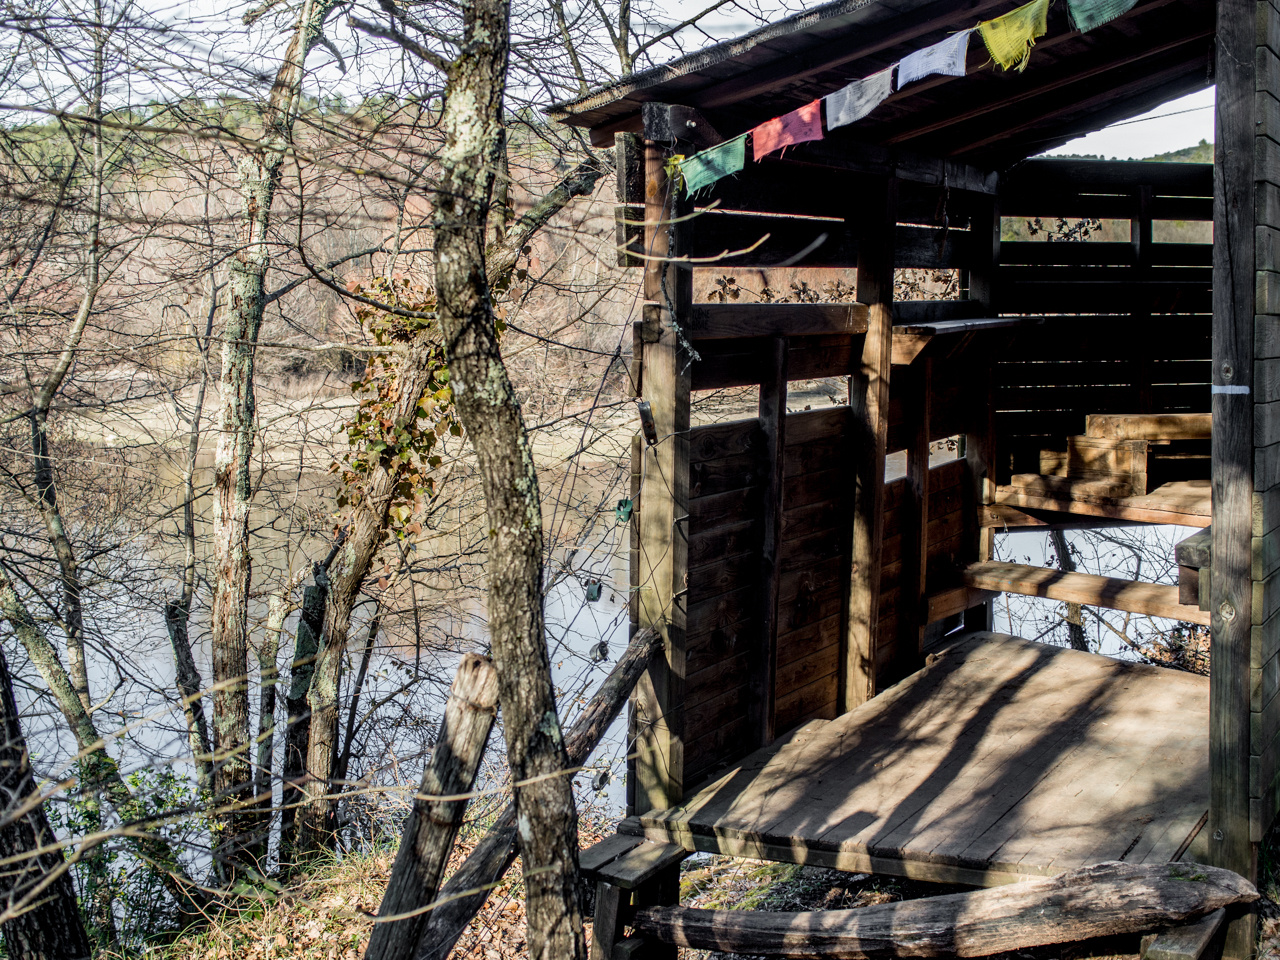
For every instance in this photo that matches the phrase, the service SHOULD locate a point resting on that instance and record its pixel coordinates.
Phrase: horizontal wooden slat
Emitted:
(932, 311)
(1185, 503)
(738, 240)
(1075, 204)
(1099, 253)
(717, 440)
(1152, 599)
(1051, 174)
(728, 321)
(1106, 296)
(1158, 426)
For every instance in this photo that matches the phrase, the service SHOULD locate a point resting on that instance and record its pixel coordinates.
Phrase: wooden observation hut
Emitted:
(831, 691)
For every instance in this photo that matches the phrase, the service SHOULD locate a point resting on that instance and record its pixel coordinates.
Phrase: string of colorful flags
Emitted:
(1008, 38)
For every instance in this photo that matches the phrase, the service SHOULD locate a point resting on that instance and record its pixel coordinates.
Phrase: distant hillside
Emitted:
(1202, 152)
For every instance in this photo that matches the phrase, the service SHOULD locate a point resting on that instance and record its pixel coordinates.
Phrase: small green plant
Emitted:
(124, 899)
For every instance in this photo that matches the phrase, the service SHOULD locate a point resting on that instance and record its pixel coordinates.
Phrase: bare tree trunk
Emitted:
(437, 812)
(39, 898)
(278, 608)
(177, 613)
(259, 178)
(353, 707)
(546, 819)
(46, 489)
(298, 719)
(99, 771)
(1075, 625)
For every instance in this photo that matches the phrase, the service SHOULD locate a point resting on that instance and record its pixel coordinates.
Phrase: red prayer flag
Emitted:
(794, 127)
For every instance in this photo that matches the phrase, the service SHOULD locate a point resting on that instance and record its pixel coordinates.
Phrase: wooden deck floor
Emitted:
(1002, 759)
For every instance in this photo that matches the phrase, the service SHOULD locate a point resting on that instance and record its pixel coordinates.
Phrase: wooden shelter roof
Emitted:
(1073, 84)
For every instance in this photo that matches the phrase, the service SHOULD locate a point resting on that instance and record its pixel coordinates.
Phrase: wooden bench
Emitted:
(1133, 596)
(910, 340)
(630, 872)
(1197, 940)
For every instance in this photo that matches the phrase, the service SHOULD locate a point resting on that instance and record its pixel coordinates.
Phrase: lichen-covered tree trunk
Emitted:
(545, 814)
(36, 891)
(259, 177)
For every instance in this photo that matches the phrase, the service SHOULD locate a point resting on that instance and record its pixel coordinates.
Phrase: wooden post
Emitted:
(468, 888)
(773, 419)
(913, 603)
(980, 439)
(1233, 462)
(437, 810)
(1140, 237)
(664, 543)
(869, 404)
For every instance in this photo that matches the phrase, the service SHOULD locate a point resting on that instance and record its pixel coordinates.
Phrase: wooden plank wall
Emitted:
(1129, 328)
(814, 552)
(948, 495)
(726, 479)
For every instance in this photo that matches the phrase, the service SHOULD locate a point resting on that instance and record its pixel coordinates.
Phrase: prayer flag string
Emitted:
(1008, 38)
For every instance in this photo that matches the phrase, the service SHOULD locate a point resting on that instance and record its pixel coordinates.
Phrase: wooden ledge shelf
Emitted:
(733, 321)
(1132, 596)
(1187, 502)
(910, 340)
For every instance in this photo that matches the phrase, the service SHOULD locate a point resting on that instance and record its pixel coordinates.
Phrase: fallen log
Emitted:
(1096, 901)
(465, 893)
(437, 812)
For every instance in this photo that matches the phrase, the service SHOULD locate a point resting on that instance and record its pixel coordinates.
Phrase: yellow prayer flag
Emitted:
(1011, 37)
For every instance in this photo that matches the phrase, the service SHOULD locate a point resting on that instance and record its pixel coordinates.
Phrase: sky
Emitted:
(1171, 126)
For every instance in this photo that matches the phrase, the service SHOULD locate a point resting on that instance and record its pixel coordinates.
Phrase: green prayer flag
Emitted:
(1011, 37)
(1087, 14)
(705, 167)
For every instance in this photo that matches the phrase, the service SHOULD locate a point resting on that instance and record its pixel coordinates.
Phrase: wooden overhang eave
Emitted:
(1074, 83)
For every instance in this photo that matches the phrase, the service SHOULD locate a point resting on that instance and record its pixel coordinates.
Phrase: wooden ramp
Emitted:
(1002, 759)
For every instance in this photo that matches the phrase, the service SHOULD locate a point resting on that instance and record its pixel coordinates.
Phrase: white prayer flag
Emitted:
(859, 98)
(946, 58)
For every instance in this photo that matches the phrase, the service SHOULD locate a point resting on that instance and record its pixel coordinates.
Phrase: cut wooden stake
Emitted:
(437, 811)
(1101, 900)
(469, 887)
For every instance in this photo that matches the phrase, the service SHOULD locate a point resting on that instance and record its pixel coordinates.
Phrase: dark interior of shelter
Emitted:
(832, 692)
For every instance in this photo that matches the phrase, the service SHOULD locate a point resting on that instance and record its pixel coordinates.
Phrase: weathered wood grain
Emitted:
(1101, 900)
(1153, 599)
(1151, 426)
(953, 775)
(438, 808)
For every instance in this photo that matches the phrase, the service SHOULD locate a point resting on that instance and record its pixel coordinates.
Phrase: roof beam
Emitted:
(938, 16)
(1074, 104)
(945, 116)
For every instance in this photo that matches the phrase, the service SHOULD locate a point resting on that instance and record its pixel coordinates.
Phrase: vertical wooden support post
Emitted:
(633, 567)
(1231, 587)
(664, 520)
(773, 421)
(1140, 237)
(869, 407)
(980, 439)
(913, 603)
